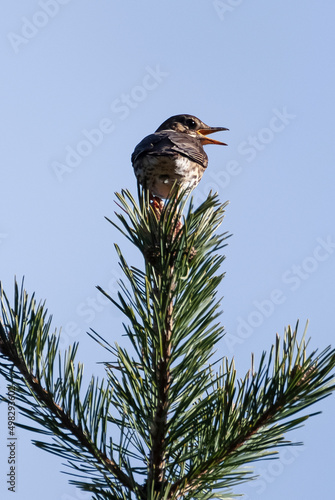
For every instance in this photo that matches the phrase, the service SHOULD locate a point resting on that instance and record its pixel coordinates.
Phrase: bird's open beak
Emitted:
(203, 132)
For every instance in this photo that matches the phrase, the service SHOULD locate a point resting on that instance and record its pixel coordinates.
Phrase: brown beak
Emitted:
(203, 132)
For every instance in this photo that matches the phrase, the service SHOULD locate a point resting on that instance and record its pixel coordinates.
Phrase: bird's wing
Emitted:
(167, 143)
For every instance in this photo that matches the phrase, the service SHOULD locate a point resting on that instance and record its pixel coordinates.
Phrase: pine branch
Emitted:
(23, 328)
(239, 418)
(250, 412)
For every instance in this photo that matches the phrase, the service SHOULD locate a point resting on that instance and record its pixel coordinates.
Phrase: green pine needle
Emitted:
(164, 424)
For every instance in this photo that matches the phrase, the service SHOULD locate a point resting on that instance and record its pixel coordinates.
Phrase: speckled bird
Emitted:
(174, 153)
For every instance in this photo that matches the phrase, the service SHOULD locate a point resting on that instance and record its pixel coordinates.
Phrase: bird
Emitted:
(174, 154)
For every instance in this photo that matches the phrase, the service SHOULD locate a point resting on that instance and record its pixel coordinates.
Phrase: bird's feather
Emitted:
(170, 144)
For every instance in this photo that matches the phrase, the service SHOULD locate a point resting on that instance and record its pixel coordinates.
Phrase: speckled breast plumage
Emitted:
(159, 173)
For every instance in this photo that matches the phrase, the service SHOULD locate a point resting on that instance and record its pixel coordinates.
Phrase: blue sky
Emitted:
(82, 83)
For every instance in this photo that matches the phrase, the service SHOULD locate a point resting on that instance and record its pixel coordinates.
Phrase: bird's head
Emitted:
(192, 126)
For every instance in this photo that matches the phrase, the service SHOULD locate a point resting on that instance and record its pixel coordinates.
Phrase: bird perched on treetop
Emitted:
(174, 153)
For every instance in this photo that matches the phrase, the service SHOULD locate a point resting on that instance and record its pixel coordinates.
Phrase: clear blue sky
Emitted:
(82, 83)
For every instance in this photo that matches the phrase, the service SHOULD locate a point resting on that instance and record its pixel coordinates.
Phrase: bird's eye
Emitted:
(191, 124)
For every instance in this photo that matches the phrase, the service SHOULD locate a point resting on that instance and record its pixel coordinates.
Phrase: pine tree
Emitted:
(170, 420)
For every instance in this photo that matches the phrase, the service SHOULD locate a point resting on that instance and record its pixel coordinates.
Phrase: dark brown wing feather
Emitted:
(170, 143)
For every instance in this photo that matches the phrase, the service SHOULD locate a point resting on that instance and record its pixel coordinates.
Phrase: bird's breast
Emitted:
(159, 173)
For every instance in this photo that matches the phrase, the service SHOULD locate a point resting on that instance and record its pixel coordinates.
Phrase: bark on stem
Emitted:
(163, 381)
